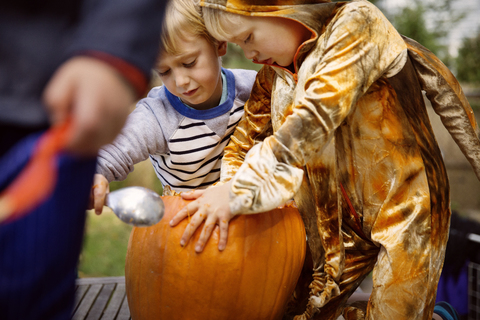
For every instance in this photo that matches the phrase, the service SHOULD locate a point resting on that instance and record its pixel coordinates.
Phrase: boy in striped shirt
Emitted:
(183, 125)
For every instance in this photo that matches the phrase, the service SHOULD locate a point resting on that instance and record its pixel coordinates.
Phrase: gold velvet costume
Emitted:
(347, 136)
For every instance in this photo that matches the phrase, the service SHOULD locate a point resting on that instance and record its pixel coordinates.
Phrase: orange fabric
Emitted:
(37, 180)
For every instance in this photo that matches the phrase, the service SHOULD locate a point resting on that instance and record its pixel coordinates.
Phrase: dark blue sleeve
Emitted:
(127, 29)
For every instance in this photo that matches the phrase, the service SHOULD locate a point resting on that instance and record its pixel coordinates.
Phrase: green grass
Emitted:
(105, 246)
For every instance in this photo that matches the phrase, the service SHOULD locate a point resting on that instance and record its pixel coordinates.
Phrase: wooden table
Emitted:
(101, 299)
(105, 299)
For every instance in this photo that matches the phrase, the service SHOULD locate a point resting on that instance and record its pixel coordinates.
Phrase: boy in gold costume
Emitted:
(337, 121)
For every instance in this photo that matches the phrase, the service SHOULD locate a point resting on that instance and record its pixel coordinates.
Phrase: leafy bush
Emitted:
(468, 61)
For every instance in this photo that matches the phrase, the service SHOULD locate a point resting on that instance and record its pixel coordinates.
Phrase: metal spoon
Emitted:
(137, 206)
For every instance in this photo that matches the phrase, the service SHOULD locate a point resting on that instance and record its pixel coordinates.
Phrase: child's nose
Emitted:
(181, 79)
(250, 54)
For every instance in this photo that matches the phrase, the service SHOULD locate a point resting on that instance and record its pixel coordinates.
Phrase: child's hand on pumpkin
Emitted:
(98, 193)
(210, 205)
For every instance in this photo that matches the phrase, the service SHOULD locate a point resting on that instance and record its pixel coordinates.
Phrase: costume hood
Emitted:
(314, 18)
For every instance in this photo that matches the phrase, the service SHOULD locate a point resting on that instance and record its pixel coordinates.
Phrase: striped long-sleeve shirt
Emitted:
(184, 145)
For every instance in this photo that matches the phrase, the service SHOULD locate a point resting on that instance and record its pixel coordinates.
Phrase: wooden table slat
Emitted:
(115, 303)
(101, 298)
(79, 294)
(124, 313)
(87, 302)
(100, 280)
(101, 302)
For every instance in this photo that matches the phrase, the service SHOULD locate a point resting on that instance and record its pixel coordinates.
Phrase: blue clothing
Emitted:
(39, 252)
(453, 284)
(446, 311)
(454, 289)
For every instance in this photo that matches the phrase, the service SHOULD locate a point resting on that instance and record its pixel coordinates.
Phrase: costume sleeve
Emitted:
(117, 31)
(448, 101)
(358, 47)
(254, 126)
(140, 137)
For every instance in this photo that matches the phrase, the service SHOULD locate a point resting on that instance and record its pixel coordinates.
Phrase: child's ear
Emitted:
(222, 48)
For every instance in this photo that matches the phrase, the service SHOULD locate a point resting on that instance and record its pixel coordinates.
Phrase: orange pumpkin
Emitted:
(253, 278)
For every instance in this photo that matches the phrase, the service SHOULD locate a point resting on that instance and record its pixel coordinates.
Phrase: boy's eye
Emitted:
(191, 64)
(248, 38)
(164, 73)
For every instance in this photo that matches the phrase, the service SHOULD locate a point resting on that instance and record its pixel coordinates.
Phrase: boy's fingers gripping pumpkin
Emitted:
(207, 231)
(192, 226)
(222, 243)
(187, 211)
(220, 218)
(192, 195)
(211, 205)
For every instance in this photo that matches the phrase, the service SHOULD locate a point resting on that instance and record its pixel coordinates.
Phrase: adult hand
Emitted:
(211, 205)
(95, 96)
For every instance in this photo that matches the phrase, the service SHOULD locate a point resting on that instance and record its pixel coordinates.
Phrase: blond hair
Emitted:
(216, 19)
(183, 18)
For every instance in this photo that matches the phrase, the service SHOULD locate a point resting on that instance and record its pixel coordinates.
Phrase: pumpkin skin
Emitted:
(253, 278)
